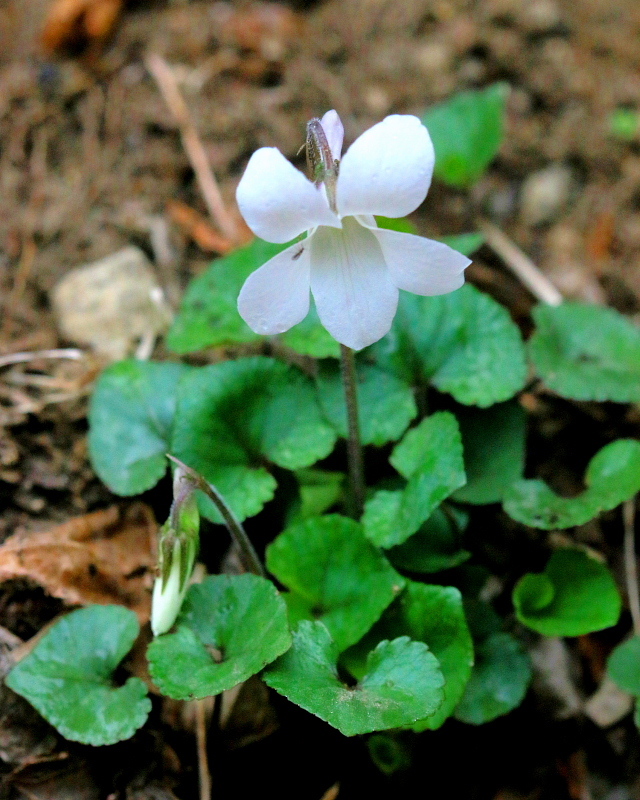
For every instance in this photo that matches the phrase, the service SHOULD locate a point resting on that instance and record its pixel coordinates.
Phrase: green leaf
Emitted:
(335, 575)
(493, 441)
(399, 224)
(234, 416)
(310, 338)
(402, 683)
(623, 666)
(613, 476)
(389, 752)
(430, 457)
(465, 243)
(624, 123)
(467, 131)
(209, 317)
(229, 628)
(498, 681)
(433, 615)
(67, 677)
(385, 404)
(575, 595)
(130, 420)
(587, 352)
(436, 545)
(319, 491)
(464, 343)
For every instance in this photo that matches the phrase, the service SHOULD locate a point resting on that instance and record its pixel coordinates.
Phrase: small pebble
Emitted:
(540, 16)
(112, 304)
(544, 194)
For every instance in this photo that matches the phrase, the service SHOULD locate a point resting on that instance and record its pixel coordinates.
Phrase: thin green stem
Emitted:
(354, 447)
(247, 552)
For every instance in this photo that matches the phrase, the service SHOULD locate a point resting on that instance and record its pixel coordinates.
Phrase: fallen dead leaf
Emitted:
(104, 557)
(78, 22)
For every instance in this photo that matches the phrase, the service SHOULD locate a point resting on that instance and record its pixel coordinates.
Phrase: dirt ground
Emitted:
(91, 160)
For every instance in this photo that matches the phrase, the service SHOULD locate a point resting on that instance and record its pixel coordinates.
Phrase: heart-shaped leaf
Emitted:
(385, 404)
(335, 575)
(319, 490)
(467, 131)
(464, 343)
(430, 458)
(575, 595)
(587, 352)
(613, 476)
(493, 441)
(436, 546)
(623, 665)
(130, 420)
(433, 615)
(498, 681)
(68, 676)
(229, 628)
(209, 316)
(402, 682)
(234, 416)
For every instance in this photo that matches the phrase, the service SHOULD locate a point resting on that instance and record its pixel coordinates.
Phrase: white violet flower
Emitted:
(353, 268)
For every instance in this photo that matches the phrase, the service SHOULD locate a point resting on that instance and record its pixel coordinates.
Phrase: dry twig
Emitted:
(204, 774)
(631, 563)
(22, 358)
(520, 264)
(164, 77)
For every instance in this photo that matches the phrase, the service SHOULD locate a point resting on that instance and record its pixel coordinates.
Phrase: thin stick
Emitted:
(520, 264)
(238, 533)
(22, 358)
(631, 563)
(354, 447)
(204, 775)
(164, 77)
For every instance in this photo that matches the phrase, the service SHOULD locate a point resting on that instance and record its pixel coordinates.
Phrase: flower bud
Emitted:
(177, 551)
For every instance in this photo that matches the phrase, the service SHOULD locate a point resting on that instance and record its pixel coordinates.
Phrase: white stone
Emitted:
(113, 305)
(544, 194)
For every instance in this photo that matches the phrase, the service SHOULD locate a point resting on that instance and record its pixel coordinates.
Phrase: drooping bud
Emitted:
(177, 550)
(324, 144)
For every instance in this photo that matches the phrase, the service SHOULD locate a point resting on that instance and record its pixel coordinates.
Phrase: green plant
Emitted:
(379, 623)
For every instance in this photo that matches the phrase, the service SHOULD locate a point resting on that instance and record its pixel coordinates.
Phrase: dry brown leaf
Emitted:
(77, 22)
(104, 557)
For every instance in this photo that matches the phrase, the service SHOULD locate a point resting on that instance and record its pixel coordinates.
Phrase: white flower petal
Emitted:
(275, 297)
(351, 285)
(277, 201)
(420, 265)
(387, 170)
(334, 131)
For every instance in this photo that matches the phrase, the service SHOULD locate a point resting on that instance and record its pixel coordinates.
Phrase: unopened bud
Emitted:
(177, 551)
(324, 141)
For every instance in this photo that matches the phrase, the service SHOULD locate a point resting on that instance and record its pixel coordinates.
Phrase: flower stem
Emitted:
(238, 534)
(354, 447)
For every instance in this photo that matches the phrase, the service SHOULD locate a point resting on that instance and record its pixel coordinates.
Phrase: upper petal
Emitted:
(275, 297)
(420, 265)
(277, 201)
(334, 131)
(355, 297)
(387, 170)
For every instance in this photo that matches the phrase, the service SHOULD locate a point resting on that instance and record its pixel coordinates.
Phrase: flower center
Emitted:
(322, 165)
